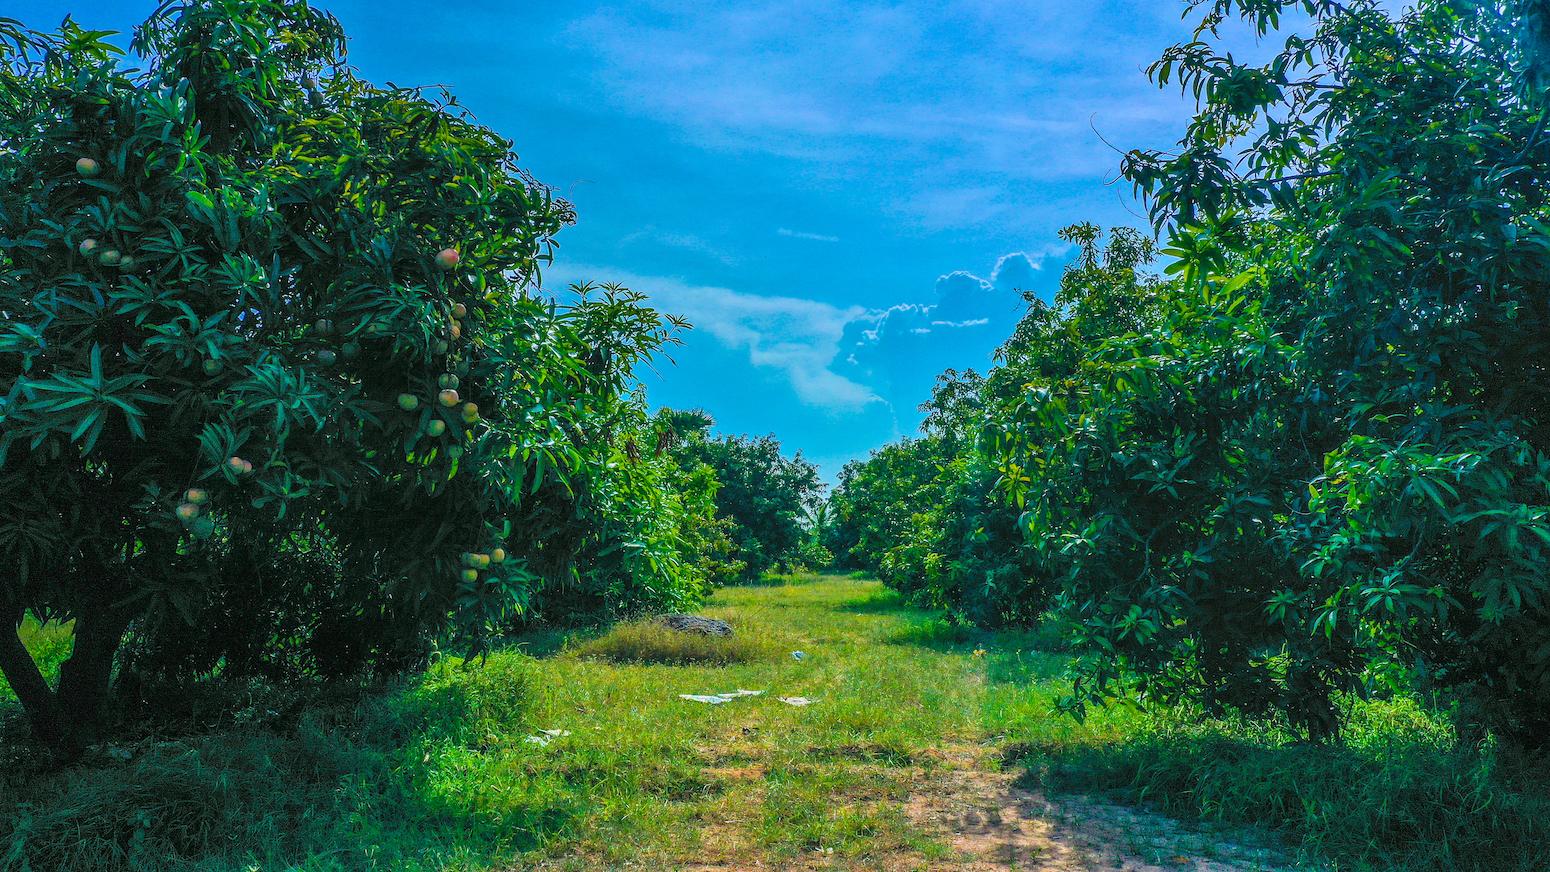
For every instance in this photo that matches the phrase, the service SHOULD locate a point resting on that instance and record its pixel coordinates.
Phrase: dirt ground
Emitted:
(991, 824)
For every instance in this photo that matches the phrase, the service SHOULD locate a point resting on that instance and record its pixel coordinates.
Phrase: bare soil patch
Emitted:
(993, 824)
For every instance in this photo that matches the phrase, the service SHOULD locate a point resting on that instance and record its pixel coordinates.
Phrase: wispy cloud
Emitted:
(801, 234)
(899, 351)
(977, 99)
(794, 336)
(845, 358)
(681, 241)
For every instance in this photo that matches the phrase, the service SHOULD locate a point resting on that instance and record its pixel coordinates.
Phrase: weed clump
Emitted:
(651, 642)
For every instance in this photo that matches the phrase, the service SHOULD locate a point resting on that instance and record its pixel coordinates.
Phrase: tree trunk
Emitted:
(71, 717)
(1310, 707)
(86, 678)
(37, 698)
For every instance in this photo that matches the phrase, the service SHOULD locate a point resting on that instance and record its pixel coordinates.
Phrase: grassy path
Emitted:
(895, 765)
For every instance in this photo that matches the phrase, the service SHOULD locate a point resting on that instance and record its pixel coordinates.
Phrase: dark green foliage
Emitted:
(1304, 482)
(1314, 461)
(235, 283)
(1399, 793)
(356, 781)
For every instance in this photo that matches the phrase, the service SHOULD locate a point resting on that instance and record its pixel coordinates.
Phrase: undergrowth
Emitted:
(397, 781)
(1398, 793)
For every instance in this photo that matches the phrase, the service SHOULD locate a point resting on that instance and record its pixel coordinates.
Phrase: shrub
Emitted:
(1400, 793)
(380, 780)
(1323, 467)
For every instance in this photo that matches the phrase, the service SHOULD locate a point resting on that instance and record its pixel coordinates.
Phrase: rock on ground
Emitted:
(696, 624)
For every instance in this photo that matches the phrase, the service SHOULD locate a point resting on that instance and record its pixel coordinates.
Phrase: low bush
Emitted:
(50, 645)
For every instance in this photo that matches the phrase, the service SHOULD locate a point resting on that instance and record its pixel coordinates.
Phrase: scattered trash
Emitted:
(798, 655)
(544, 737)
(719, 698)
(795, 700)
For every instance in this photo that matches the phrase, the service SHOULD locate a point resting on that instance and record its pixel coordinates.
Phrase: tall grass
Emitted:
(651, 642)
(401, 779)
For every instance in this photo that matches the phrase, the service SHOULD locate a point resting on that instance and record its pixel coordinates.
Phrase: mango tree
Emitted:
(1329, 470)
(250, 298)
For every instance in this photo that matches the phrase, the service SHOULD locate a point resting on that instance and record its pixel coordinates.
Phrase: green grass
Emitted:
(437, 771)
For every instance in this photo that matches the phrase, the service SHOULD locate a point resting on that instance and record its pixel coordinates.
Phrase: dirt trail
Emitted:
(993, 824)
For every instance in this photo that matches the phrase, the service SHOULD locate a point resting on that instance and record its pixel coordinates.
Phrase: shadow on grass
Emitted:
(1024, 667)
(544, 642)
(1397, 796)
(776, 579)
(416, 777)
(1011, 657)
(882, 602)
(940, 634)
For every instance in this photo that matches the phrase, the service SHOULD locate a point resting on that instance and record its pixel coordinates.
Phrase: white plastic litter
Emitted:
(544, 737)
(798, 655)
(795, 700)
(719, 698)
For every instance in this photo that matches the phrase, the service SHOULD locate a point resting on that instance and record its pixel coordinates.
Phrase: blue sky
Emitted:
(844, 198)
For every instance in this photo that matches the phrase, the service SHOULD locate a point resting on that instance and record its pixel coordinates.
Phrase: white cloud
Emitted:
(681, 241)
(845, 358)
(899, 351)
(794, 336)
(799, 234)
(972, 103)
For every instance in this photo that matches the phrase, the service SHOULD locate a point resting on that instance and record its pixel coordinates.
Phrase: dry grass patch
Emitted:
(650, 642)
